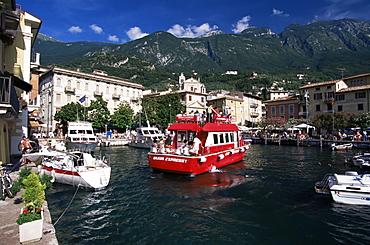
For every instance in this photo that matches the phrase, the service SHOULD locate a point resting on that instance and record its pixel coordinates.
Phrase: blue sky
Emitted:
(118, 21)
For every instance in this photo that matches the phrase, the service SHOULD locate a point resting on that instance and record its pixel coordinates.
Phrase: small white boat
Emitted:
(145, 136)
(341, 147)
(73, 168)
(362, 161)
(80, 136)
(348, 188)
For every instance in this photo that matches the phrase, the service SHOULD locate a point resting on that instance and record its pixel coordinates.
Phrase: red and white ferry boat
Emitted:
(220, 145)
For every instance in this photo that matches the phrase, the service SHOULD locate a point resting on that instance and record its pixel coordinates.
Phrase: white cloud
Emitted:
(113, 38)
(242, 24)
(135, 33)
(96, 29)
(191, 31)
(75, 29)
(278, 13)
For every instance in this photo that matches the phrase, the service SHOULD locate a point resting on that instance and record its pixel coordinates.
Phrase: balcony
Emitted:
(98, 94)
(9, 103)
(303, 113)
(328, 101)
(70, 90)
(303, 102)
(254, 114)
(116, 96)
(253, 106)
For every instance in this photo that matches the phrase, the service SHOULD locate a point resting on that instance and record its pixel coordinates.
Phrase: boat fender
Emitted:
(220, 157)
(202, 159)
(53, 176)
(230, 153)
(241, 149)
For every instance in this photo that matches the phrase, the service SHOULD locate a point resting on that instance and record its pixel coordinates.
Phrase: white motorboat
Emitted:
(80, 136)
(144, 137)
(348, 188)
(362, 161)
(73, 168)
(341, 147)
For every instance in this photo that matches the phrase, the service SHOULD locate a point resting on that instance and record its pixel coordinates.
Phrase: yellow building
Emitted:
(18, 32)
(349, 94)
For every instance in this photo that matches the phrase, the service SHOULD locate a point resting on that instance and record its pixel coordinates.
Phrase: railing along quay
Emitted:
(309, 142)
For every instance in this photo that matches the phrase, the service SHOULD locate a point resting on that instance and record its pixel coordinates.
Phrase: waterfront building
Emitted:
(349, 94)
(19, 31)
(285, 107)
(60, 86)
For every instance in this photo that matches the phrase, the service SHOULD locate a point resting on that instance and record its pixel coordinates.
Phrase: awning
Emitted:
(35, 124)
(19, 83)
(184, 126)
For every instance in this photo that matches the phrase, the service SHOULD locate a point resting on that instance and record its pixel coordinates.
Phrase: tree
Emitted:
(362, 120)
(122, 116)
(163, 109)
(70, 112)
(325, 121)
(99, 113)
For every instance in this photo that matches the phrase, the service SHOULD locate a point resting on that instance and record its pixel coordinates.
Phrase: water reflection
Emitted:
(208, 184)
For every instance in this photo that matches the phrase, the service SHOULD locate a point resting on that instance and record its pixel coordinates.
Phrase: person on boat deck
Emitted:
(153, 147)
(184, 149)
(194, 151)
(160, 146)
(168, 143)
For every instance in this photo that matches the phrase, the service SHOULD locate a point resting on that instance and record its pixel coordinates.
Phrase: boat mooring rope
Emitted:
(69, 204)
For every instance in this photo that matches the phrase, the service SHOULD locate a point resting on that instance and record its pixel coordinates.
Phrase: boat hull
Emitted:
(194, 165)
(81, 146)
(96, 178)
(143, 144)
(357, 195)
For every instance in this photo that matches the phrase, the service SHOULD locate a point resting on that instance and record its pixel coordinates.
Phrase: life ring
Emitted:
(53, 176)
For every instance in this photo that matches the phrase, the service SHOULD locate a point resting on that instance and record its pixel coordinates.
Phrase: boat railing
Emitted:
(323, 185)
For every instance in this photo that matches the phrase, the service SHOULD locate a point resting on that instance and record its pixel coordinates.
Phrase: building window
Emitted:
(189, 97)
(202, 99)
(339, 97)
(282, 109)
(317, 96)
(317, 89)
(59, 98)
(78, 85)
(69, 84)
(291, 116)
(59, 82)
(318, 108)
(86, 86)
(69, 98)
(360, 95)
(291, 109)
(273, 110)
(360, 107)
(340, 108)
(328, 87)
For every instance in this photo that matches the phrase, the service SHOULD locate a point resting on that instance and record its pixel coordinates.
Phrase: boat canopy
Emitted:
(216, 127)
(184, 126)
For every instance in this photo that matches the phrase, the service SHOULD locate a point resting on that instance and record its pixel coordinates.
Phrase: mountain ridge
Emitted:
(323, 46)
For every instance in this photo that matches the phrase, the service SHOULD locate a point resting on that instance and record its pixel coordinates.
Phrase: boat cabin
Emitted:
(215, 136)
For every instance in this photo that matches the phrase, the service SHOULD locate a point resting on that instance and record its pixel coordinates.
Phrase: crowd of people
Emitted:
(164, 145)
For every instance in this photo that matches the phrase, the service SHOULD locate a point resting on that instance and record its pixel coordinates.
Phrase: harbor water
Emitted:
(268, 198)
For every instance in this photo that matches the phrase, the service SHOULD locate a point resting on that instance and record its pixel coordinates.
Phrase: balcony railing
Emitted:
(69, 90)
(97, 93)
(328, 101)
(8, 97)
(303, 113)
(303, 102)
(116, 96)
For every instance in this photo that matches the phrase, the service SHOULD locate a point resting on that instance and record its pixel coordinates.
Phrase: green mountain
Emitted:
(322, 46)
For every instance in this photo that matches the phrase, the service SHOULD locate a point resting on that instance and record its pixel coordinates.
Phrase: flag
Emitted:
(332, 100)
(82, 100)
